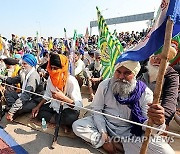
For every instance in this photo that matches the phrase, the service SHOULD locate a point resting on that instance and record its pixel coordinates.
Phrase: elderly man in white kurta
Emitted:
(122, 96)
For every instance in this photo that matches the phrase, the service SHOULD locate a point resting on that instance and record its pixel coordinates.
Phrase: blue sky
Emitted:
(50, 17)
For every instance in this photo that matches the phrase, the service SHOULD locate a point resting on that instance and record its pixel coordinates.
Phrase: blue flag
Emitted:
(41, 49)
(155, 38)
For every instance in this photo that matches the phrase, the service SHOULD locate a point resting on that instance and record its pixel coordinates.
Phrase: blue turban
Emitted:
(17, 56)
(29, 59)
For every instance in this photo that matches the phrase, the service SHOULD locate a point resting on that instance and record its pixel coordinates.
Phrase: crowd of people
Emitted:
(22, 44)
(47, 67)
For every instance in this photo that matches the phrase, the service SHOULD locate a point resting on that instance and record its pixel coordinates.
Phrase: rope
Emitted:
(104, 114)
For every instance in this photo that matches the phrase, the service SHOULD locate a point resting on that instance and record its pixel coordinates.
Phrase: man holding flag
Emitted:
(170, 84)
(123, 96)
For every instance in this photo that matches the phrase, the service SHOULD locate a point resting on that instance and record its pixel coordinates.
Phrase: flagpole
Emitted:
(38, 50)
(159, 81)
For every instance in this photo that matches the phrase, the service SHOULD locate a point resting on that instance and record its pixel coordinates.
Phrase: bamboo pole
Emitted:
(159, 80)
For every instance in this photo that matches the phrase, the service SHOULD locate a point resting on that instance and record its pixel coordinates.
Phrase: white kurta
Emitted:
(79, 67)
(91, 128)
(104, 101)
(72, 91)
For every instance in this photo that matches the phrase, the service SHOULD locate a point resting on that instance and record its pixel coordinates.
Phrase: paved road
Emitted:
(36, 142)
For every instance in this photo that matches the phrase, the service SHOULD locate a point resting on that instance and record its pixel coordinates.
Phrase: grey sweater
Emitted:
(169, 91)
(32, 84)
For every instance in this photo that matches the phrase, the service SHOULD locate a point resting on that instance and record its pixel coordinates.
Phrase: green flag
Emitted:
(74, 40)
(110, 47)
(176, 42)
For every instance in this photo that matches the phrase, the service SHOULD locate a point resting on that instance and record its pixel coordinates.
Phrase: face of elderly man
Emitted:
(123, 74)
(26, 67)
(124, 82)
(155, 60)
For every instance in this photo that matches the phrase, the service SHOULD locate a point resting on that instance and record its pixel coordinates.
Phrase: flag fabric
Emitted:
(42, 50)
(110, 47)
(115, 33)
(155, 38)
(74, 40)
(176, 40)
(176, 44)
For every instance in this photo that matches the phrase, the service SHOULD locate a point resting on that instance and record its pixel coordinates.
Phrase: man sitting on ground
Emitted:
(23, 102)
(125, 97)
(79, 69)
(64, 88)
(93, 72)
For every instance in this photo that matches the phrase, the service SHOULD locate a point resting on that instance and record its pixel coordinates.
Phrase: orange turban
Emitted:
(59, 76)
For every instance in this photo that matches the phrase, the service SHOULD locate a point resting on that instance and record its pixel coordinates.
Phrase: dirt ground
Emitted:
(37, 142)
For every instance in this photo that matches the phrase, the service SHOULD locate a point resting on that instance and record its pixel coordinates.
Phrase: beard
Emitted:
(153, 71)
(26, 71)
(22, 74)
(122, 87)
(97, 65)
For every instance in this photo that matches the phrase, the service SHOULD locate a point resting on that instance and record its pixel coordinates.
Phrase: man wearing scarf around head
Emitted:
(63, 87)
(23, 102)
(125, 97)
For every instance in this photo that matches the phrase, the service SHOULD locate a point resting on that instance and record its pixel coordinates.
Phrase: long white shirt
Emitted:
(104, 101)
(72, 91)
(79, 66)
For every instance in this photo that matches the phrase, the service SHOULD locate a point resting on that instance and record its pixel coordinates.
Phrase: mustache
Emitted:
(121, 81)
(123, 87)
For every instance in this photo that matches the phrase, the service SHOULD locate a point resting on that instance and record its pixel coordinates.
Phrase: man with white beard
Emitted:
(170, 84)
(93, 72)
(24, 101)
(125, 97)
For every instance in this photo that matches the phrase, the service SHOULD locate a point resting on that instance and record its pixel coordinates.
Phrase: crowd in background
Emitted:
(22, 45)
(48, 67)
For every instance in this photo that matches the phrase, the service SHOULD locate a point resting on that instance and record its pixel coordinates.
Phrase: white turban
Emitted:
(133, 66)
